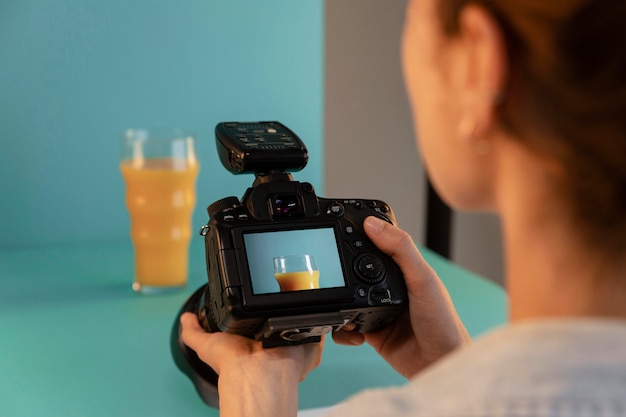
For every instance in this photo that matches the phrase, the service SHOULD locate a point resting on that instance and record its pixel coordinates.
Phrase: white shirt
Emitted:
(550, 368)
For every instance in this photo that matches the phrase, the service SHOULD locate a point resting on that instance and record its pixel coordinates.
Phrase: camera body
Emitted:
(355, 282)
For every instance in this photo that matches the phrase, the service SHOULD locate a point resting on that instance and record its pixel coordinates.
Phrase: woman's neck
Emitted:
(550, 271)
(549, 274)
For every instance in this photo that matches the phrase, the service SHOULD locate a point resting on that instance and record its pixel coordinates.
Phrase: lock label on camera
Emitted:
(381, 296)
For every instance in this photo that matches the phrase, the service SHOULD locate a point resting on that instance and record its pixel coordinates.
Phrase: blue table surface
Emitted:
(76, 341)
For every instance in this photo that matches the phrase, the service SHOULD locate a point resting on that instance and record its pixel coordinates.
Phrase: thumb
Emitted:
(432, 310)
(390, 239)
(399, 245)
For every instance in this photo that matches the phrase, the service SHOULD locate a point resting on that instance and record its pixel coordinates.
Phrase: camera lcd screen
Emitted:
(293, 260)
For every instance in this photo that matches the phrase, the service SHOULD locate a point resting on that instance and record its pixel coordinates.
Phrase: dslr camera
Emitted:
(284, 265)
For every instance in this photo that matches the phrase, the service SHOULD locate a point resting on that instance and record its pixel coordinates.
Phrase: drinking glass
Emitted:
(296, 272)
(159, 168)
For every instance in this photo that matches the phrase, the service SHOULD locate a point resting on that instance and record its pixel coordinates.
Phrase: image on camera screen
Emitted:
(293, 260)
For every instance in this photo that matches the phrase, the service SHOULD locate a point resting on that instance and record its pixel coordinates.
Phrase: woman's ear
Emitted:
(480, 70)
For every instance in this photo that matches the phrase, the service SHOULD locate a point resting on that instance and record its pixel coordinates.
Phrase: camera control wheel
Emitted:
(369, 268)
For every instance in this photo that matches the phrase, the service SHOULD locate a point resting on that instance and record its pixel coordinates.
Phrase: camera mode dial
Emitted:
(223, 204)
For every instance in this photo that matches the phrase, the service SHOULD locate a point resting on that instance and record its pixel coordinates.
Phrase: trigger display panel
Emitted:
(320, 243)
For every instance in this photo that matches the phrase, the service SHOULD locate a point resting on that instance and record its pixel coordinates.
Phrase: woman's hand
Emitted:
(430, 328)
(253, 381)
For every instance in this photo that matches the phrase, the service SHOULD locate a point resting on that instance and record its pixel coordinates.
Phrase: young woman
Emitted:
(519, 109)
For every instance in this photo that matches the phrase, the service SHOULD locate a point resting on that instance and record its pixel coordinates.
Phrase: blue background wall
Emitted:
(75, 73)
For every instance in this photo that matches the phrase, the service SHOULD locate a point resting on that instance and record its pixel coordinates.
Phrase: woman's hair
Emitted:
(566, 97)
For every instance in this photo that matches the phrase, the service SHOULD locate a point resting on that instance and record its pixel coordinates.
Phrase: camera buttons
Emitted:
(369, 268)
(381, 295)
(335, 210)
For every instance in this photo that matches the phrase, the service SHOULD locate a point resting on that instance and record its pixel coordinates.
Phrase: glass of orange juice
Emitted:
(296, 272)
(159, 168)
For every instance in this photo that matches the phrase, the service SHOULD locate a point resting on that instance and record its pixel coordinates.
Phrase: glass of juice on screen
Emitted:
(296, 272)
(159, 168)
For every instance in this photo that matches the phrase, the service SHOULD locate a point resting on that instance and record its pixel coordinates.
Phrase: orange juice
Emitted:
(160, 197)
(300, 280)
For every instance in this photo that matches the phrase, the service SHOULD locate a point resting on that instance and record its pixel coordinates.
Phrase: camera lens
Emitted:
(286, 204)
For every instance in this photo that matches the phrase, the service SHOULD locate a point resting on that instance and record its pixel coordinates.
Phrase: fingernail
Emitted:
(374, 224)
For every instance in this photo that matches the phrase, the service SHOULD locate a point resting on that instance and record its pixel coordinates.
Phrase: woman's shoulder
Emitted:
(568, 365)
